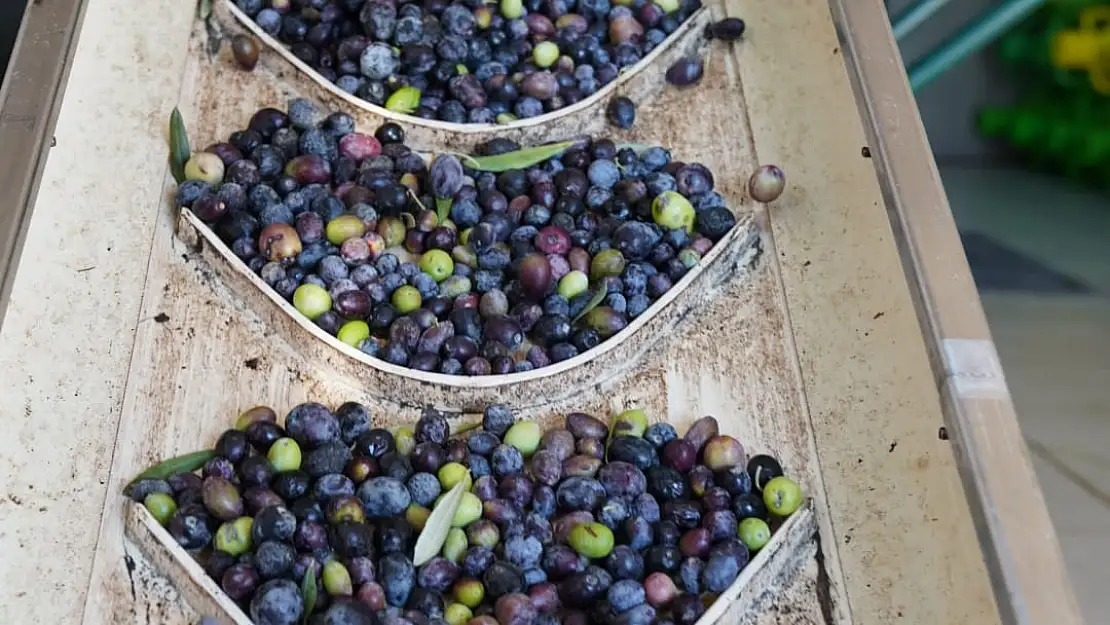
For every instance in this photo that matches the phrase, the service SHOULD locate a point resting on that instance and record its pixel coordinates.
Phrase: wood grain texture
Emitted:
(135, 351)
(1023, 556)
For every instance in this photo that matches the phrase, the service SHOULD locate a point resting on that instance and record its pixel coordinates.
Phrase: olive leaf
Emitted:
(179, 146)
(434, 534)
(404, 100)
(443, 208)
(519, 159)
(204, 9)
(595, 301)
(181, 464)
(308, 591)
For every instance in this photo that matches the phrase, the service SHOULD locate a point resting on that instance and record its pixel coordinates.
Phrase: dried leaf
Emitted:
(519, 159)
(308, 592)
(595, 301)
(434, 534)
(181, 464)
(463, 428)
(179, 146)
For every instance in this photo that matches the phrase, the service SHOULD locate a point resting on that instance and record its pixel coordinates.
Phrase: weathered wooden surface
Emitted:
(816, 356)
(1028, 572)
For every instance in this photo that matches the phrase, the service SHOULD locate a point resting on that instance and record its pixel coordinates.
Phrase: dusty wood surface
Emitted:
(122, 349)
(1023, 556)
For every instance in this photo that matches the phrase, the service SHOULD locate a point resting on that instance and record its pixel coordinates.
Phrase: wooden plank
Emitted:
(899, 520)
(66, 341)
(1022, 554)
(30, 95)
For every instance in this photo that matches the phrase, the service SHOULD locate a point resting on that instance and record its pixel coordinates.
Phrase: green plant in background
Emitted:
(1061, 123)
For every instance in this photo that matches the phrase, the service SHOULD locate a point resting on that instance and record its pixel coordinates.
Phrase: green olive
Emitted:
(284, 455)
(454, 547)
(545, 54)
(452, 473)
(457, 614)
(469, 592)
(205, 166)
(668, 6)
(161, 506)
(512, 9)
(437, 264)
(606, 263)
(354, 332)
(630, 423)
(574, 283)
(592, 540)
(782, 496)
(253, 415)
(672, 211)
(469, 510)
(344, 227)
(406, 299)
(404, 439)
(417, 516)
(754, 533)
(525, 436)
(234, 537)
(311, 300)
(337, 579)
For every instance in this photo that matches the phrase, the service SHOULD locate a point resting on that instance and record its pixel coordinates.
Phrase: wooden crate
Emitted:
(855, 349)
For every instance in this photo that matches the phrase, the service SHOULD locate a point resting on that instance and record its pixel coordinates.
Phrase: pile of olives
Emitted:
(452, 267)
(582, 524)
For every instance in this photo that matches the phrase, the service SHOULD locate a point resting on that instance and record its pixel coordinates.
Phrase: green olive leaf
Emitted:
(308, 592)
(204, 9)
(434, 534)
(181, 464)
(404, 100)
(179, 146)
(595, 301)
(443, 208)
(519, 159)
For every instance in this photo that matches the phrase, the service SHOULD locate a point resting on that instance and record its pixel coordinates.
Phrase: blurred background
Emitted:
(1015, 97)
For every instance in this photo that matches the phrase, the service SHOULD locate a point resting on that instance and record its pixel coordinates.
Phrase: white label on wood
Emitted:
(972, 369)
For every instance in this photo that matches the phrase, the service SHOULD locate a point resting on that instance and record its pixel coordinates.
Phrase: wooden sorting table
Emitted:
(928, 507)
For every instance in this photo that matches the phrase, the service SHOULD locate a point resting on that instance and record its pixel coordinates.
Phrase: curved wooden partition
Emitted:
(641, 83)
(731, 258)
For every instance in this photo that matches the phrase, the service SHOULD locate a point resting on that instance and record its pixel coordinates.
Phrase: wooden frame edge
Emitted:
(30, 98)
(1019, 543)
